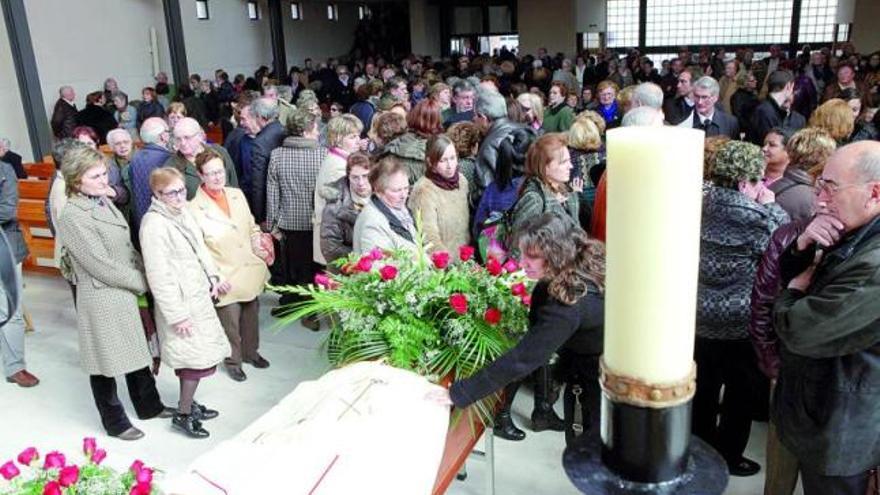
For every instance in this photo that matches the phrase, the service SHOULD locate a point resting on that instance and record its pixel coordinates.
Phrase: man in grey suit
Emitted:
(707, 116)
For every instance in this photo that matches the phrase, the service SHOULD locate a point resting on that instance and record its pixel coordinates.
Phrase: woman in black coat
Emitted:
(566, 317)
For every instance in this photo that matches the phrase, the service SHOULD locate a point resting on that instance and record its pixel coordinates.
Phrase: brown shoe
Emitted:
(23, 379)
(130, 434)
(311, 322)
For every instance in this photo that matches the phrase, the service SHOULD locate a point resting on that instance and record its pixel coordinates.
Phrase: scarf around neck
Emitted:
(450, 184)
(394, 221)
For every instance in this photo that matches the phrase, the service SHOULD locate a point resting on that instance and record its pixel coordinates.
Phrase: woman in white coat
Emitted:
(386, 222)
(183, 280)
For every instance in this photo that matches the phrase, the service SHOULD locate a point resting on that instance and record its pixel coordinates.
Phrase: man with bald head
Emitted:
(189, 141)
(155, 135)
(828, 320)
(64, 113)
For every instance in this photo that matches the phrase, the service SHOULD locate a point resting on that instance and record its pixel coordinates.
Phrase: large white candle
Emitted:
(653, 245)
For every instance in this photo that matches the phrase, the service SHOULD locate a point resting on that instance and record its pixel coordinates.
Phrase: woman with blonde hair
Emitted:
(239, 251)
(175, 113)
(566, 317)
(185, 283)
(835, 117)
(109, 279)
(440, 198)
(808, 150)
(588, 163)
(532, 108)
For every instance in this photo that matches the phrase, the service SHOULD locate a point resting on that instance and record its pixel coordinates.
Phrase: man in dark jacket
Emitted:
(64, 113)
(268, 135)
(775, 110)
(490, 114)
(12, 158)
(828, 320)
(155, 135)
(706, 115)
(96, 116)
(341, 89)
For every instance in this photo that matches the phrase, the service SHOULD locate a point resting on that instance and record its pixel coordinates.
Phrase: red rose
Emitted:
(527, 300)
(492, 316)
(141, 489)
(322, 280)
(89, 445)
(388, 272)
(68, 475)
(145, 475)
(98, 456)
(493, 266)
(440, 259)
(364, 264)
(28, 456)
(465, 253)
(9, 470)
(519, 289)
(376, 254)
(54, 459)
(52, 488)
(136, 466)
(459, 303)
(510, 266)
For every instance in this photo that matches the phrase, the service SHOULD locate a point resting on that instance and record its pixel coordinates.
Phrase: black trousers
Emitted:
(141, 389)
(817, 484)
(581, 399)
(299, 263)
(724, 423)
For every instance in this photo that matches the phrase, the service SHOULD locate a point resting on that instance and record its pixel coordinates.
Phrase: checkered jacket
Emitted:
(290, 185)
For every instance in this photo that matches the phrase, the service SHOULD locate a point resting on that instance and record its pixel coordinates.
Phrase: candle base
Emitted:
(705, 472)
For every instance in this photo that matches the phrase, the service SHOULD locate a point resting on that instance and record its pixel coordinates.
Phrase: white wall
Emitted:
(547, 23)
(424, 28)
(317, 37)
(82, 43)
(865, 34)
(12, 123)
(590, 16)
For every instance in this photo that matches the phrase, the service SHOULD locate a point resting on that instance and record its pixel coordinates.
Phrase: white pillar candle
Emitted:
(653, 245)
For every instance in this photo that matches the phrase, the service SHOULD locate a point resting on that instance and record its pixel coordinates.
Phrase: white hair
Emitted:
(112, 135)
(709, 84)
(643, 117)
(648, 94)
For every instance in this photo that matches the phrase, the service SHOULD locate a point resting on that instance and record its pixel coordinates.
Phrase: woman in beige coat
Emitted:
(109, 275)
(440, 198)
(386, 222)
(233, 239)
(183, 280)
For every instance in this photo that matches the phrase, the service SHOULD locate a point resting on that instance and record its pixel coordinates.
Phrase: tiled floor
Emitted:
(59, 412)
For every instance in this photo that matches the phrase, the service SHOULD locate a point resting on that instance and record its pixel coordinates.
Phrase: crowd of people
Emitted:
(168, 239)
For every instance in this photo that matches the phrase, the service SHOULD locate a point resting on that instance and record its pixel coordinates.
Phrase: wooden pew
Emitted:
(32, 195)
(43, 170)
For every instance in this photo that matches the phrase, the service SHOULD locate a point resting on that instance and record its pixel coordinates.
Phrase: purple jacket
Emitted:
(767, 286)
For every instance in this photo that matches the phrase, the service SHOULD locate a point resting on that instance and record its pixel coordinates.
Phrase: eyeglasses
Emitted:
(830, 187)
(174, 192)
(215, 173)
(702, 97)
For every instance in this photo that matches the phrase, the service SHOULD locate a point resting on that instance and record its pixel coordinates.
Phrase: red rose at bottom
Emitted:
(68, 475)
(52, 488)
(141, 489)
(459, 303)
(492, 316)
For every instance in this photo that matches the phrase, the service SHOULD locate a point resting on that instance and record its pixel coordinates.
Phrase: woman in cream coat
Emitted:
(386, 222)
(183, 280)
(232, 238)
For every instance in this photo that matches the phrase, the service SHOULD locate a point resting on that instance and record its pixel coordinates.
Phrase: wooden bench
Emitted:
(32, 195)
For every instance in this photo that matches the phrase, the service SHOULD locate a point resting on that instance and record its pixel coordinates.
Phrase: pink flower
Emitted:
(9, 470)
(145, 475)
(52, 488)
(136, 466)
(465, 253)
(376, 254)
(54, 459)
(98, 456)
(140, 489)
(459, 303)
(68, 475)
(28, 456)
(440, 259)
(388, 272)
(322, 280)
(364, 264)
(519, 289)
(510, 266)
(89, 445)
(493, 266)
(527, 300)
(492, 316)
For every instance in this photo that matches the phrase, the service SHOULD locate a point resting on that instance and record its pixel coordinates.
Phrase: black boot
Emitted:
(201, 412)
(504, 425)
(188, 424)
(544, 417)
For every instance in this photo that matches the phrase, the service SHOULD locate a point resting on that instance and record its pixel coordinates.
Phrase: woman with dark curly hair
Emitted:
(566, 317)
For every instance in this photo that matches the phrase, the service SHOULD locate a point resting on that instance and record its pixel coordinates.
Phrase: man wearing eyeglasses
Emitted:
(828, 319)
(708, 116)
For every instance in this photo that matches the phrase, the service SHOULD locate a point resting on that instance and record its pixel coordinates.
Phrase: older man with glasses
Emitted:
(706, 115)
(828, 319)
(189, 141)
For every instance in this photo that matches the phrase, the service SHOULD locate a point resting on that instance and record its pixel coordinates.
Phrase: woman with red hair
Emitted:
(424, 121)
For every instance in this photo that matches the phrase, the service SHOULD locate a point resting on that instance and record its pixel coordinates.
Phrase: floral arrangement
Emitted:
(436, 315)
(56, 477)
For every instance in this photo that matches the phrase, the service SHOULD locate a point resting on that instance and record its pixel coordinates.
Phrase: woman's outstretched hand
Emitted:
(439, 396)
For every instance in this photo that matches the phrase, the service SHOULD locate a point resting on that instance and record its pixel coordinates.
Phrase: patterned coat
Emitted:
(290, 184)
(178, 266)
(109, 277)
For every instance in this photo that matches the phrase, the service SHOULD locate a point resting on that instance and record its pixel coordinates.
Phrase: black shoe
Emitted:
(258, 362)
(131, 433)
(743, 467)
(201, 412)
(236, 373)
(545, 418)
(187, 423)
(311, 322)
(506, 429)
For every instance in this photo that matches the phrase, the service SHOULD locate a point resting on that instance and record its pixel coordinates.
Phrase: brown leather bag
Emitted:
(874, 482)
